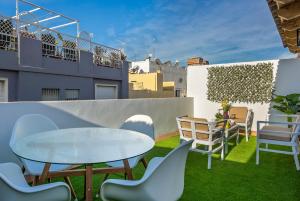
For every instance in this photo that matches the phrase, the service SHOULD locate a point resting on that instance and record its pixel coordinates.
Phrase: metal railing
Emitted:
(8, 36)
(106, 56)
(55, 44)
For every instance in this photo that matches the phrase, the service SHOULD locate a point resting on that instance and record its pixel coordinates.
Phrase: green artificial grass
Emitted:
(235, 178)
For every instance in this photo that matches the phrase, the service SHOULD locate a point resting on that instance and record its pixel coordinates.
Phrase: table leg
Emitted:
(89, 182)
(44, 174)
(128, 170)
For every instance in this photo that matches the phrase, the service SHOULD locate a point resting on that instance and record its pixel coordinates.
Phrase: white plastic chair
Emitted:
(163, 180)
(31, 124)
(13, 187)
(139, 123)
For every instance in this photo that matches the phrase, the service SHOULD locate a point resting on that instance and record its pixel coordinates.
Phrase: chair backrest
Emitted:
(188, 125)
(140, 123)
(196, 128)
(30, 124)
(250, 118)
(240, 114)
(13, 186)
(166, 181)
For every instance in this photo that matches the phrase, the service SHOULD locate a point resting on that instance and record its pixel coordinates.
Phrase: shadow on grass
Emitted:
(235, 178)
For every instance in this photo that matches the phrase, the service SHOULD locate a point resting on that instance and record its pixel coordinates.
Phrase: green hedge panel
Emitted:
(241, 83)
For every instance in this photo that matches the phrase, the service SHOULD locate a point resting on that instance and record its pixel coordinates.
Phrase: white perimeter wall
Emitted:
(287, 80)
(106, 113)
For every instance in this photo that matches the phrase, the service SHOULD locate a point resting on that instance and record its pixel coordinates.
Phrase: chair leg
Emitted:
(144, 162)
(106, 176)
(35, 180)
(209, 161)
(246, 132)
(209, 156)
(226, 146)
(257, 153)
(222, 150)
(238, 137)
(296, 158)
(68, 181)
(222, 153)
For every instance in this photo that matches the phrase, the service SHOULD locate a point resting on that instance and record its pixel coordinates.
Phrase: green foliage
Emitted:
(241, 83)
(289, 104)
(219, 116)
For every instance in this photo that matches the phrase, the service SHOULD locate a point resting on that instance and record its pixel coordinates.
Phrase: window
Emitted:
(72, 94)
(177, 93)
(50, 94)
(3, 90)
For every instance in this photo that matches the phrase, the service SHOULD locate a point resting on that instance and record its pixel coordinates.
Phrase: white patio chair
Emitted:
(163, 180)
(13, 187)
(209, 134)
(230, 133)
(279, 133)
(139, 123)
(242, 117)
(30, 124)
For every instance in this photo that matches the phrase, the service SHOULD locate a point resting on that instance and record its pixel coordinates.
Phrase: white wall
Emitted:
(107, 113)
(143, 65)
(287, 80)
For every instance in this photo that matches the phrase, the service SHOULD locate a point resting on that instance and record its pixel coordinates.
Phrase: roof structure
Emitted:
(286, 14)
(30, 14)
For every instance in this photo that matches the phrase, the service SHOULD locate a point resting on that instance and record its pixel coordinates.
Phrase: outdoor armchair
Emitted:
(13, 187)
(209, 134)
(163, 180)
(242, 117)
(279, 133)
(31, 124)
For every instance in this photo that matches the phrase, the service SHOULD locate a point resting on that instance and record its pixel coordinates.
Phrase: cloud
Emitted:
(215, 30)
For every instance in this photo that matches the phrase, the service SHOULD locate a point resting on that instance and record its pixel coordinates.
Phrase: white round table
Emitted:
(83, 146)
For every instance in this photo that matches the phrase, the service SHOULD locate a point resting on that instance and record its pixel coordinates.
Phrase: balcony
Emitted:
(55, 44)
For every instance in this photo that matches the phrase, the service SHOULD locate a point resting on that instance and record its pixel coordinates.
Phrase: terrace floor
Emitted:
(235, 178)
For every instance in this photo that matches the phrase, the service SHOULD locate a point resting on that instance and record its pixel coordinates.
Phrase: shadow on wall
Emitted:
(12, 111)
(287, 80)
(91, 113)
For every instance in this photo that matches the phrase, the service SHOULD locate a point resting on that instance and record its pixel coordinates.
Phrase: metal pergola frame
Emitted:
(54, 16)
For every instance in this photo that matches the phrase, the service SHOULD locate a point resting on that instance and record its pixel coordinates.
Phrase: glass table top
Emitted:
(83, 145)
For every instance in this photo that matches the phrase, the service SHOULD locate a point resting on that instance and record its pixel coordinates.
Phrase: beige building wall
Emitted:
(172, 72)
(150, 85)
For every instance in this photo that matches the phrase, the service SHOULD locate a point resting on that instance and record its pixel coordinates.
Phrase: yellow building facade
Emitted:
(149, 85)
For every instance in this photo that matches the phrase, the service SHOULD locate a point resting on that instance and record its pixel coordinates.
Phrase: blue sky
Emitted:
(221, 31)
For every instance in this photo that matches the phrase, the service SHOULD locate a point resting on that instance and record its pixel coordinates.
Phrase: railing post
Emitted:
(18, 31)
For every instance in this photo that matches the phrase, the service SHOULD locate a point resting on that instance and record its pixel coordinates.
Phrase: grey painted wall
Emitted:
(12, 77)
(36, 72)
(91, 113)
